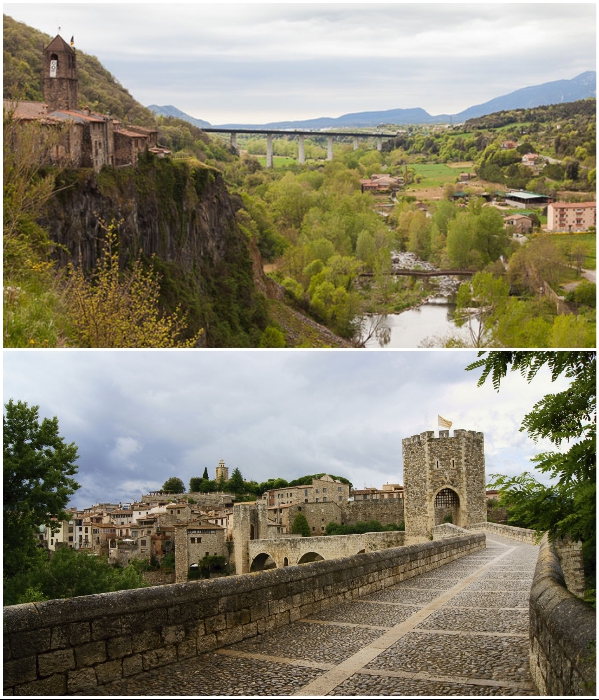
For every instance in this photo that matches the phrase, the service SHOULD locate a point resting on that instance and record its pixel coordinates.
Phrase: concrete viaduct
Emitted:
(288, 551)
(301, 134)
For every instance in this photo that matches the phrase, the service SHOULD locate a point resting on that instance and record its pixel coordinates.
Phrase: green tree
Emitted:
(205, 474)
(236, 482)
(174, 485)
(272, 338)
(567, 507)
(479, 304)
(300, 526)
(195, 484)
(38, 470)
(71, 573)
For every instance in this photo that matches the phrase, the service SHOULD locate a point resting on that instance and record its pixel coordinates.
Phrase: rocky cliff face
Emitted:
(182, 214)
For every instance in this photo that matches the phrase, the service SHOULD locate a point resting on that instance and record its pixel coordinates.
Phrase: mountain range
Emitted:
(581, 87)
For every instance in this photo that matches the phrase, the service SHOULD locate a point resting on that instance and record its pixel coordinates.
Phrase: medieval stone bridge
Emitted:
(288, 551)
(461, 629)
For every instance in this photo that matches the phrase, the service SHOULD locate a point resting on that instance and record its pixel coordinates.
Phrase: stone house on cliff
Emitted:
(82, 138)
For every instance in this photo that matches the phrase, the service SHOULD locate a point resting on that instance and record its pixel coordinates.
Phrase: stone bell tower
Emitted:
(61, 85)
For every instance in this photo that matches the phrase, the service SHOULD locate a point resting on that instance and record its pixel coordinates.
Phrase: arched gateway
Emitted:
(443, 476)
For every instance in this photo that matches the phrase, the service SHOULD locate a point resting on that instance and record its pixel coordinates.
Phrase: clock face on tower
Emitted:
(53, 68)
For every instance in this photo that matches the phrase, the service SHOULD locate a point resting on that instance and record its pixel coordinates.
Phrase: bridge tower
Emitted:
(443, 475)
(61, 84)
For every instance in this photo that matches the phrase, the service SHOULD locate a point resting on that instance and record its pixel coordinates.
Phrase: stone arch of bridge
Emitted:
(262, 562)
(447, 501)
(310, 557)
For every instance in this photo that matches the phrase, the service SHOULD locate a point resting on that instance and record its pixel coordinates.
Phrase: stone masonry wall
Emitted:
(63, 646)
(562, 633)
(435, 463)
(571, 563)
(386, 511)
(328, 547)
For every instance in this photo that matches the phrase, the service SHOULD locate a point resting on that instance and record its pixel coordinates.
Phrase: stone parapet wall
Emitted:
(562, 633)
(64, 646)
(158, 578)
(445, 530)
(572, 565)
(521, 534)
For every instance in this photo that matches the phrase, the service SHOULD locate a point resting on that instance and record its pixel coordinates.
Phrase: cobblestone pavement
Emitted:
(459, 630)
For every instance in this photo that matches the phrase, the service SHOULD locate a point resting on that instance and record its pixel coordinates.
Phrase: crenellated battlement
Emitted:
(458, 434)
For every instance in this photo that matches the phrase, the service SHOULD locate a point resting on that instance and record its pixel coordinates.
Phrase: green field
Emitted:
(566, 240)
(437, 174)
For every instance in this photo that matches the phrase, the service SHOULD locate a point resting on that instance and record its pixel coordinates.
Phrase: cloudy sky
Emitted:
(259, 62)
(140, 417)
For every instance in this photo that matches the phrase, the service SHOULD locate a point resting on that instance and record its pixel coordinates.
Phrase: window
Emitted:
(324, 490)
(317, 500)
(340, 498)
(338, 488)
(192, 540)
(143, 543)
(324, 498)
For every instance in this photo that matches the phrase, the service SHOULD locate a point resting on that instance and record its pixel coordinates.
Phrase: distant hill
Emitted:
(554, 92)
(170, 111)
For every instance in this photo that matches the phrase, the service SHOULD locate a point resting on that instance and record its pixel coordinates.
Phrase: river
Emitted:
(432, 322)
(426, 325)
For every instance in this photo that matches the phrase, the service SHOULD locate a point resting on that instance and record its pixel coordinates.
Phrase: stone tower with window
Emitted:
(222, 471)
(443, 475)
(61, 84)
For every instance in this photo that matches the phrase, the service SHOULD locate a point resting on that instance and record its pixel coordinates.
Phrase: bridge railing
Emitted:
(562, 632)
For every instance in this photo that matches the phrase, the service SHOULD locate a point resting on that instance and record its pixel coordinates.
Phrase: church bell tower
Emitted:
(61, 85)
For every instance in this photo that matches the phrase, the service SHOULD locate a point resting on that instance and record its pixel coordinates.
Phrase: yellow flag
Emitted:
(443, 423)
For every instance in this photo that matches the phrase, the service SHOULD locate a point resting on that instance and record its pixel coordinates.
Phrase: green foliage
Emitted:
(112, 309)
(272, 338)
(300, 526)
(567, 507)
(70, 573)
(38, 470)
(236, 482)
(212, 561)
(195, 483)
(585, 293)
(168, 562)
(173, 485)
